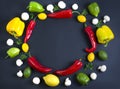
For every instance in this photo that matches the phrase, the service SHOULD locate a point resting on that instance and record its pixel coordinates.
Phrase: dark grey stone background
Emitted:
(56, 43)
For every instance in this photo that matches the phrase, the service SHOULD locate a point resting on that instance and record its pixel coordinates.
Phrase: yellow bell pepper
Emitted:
(15, 27)
(104, 34)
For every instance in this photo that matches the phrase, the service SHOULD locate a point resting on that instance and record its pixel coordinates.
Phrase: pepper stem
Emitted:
(85, 12)
(6, 56)
(106, 44)
(29, 54)
(14, 34)
(27, 7)
(80, 59)
(85, 25)
(76, 12)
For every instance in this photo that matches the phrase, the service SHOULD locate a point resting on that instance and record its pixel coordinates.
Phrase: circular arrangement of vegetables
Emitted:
(102, 35)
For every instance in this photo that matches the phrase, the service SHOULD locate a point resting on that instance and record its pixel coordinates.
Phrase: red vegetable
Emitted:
(92, 38)
(29, 30)
(70, 70)
(33, 63)
(61, 14)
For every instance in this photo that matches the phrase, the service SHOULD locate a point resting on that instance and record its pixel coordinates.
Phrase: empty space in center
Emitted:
(57, 43)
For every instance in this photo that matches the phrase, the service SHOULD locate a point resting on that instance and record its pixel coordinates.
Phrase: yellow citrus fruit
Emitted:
(51, 80)
(25, 47)
(91, 57)
(81, 18)
(42, 16)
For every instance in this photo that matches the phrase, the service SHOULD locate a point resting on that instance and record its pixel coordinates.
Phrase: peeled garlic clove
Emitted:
(67, 82)
(50, 8)
(62, 4)
(107, 18)
(19, 73)
(36, 80)
(103, 68)
(75, 6)
(95, 21)
(19, 62)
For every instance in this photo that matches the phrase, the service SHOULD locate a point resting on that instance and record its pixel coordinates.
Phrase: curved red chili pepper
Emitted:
(61, 14)
(70, 70)
(92, 38)
(33, 63)
(30, 27)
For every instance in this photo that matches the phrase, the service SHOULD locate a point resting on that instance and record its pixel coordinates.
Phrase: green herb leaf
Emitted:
(89, 66)
(23, 56)
(18, 41)
(56, 8)
(31, 16)
(99, 24)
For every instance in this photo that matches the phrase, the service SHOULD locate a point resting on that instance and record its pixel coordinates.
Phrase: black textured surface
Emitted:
(56, 43)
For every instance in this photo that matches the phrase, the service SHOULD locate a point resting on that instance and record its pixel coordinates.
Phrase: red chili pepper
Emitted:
(70, 70)
(92, 38)
(29, 30)
(33, 63)
(61, 14)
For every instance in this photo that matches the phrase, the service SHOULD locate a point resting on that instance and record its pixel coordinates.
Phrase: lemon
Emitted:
(81, 18)
(51, 80)
(91, 57)
(25, 47)
(42, 16)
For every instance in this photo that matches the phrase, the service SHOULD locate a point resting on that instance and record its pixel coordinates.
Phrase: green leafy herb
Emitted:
(89, 66)
(56, 8)
(18, 41)
(99, 23)
(23, 56)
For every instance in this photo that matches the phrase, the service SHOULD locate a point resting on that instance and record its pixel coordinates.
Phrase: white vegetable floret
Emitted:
(102, 68)
(36, 80)
(95, 21)
(19, 73)
(62, 4)
(50, 8)
(10, 42)
(19, 62)
(25, 16)
(75, 6)
(67, 82)
(107, 18)
(93, 76)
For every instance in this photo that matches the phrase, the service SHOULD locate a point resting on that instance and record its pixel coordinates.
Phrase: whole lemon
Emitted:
(51, 80)
(91, 57)
(25, 47)
(81, 18)
(42, 16)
